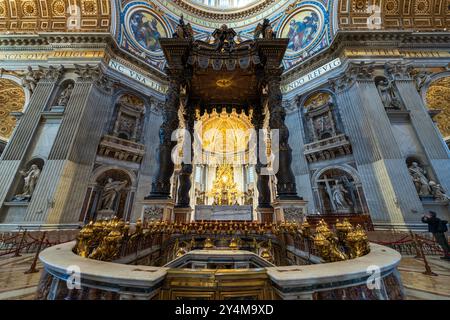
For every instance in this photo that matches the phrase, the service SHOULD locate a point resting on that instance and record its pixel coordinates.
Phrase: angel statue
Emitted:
(31, 78)
(438, 192)
(264, 29)
(183, 31)
(420, 179)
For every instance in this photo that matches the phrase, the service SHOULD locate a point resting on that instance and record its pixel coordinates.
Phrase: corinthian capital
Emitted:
(53, 73)
(355, 71)
(398, 71)
(87, 72)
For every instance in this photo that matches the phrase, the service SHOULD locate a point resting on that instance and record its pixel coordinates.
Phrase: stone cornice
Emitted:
(373, 39)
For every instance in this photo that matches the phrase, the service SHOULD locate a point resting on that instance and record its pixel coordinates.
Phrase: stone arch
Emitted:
(436, 95)
(13, 98)
(128, 118)
(62, 94)
(122, 188)
(320, 115)
(326, 183)
(20, 193)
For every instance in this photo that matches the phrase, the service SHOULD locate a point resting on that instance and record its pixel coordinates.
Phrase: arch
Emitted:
(98, 172)
(338, 190)
(436, 95)
(344, 167)
(12, 99)
(304, 98)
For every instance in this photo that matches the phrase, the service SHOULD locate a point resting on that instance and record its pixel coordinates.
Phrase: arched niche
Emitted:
(27, 180)
(321, 117)
(389, 95)
(128, 118)
(110, 192)
(438, 99)
(61, 95)
(338, 190)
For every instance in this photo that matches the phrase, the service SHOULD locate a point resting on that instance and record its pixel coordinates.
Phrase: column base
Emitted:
(265, 214)
(182, 214)
(158, 209)
(292, 210)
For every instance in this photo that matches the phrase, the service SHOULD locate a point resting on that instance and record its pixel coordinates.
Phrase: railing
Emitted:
(29, 241)
(406, 244)
(16, 244)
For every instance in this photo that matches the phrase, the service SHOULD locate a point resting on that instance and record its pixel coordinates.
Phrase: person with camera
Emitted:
(438, 228)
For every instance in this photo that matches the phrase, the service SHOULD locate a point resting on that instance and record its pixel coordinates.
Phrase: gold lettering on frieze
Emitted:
(59, 54)
(371, 52)
(394, 52)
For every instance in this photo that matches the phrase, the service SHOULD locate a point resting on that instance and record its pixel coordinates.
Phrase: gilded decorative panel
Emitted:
(394, 14)
(438, 98)
(29, 16)
(12, 99)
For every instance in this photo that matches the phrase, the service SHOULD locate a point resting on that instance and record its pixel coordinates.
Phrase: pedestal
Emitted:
(292, 210)
(158, 209)
(182, 214)
(104, 214)
(265, 215)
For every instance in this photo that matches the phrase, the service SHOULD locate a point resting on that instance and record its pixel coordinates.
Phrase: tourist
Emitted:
(438, 228)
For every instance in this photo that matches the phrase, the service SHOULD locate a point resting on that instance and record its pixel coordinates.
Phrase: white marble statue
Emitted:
(388, 95)
(65, 95)
(438, 192)
(110, 192)
(420, 179)
(338, 196)
(30, 179)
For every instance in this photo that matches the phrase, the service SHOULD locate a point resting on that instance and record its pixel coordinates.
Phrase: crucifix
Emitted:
(329, 191)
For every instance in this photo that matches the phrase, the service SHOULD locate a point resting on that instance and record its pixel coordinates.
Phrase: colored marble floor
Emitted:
(419, 286)
(15, 285)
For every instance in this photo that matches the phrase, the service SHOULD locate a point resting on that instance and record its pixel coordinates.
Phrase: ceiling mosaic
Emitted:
(305, 23)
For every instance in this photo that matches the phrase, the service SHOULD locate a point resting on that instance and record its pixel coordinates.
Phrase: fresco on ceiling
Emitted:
(302, 29)
(308, 28)
(141, 26)
(307, 24)
(146, 30)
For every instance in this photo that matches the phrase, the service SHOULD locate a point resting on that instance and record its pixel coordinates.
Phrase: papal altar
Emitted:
(227, 213)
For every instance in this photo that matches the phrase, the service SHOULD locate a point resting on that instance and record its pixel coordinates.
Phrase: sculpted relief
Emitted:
(424, 185)
(389, 96)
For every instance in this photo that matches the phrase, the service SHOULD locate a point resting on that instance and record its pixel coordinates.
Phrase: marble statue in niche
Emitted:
(420, 179)
(388, 95)
(65, 95)
(338, 196)
(30, 178)
(338, 192)
(110, 192)
(438, 192)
